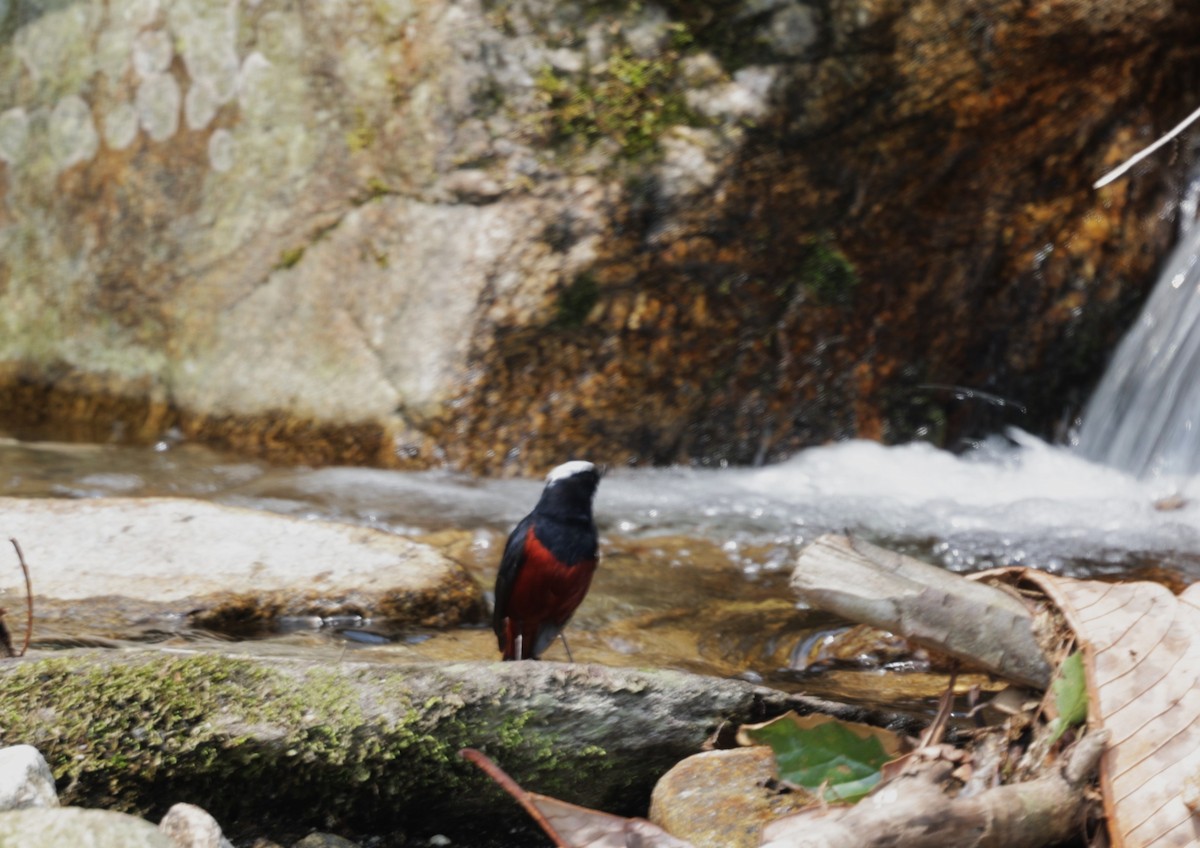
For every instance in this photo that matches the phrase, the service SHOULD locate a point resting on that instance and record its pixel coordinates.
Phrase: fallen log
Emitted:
(984, 626)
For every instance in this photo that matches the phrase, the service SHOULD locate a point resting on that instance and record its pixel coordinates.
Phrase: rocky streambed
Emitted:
(305, 650)
(366, 669)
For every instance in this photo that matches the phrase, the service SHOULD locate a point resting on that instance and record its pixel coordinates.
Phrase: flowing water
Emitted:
(1144, 416)
(695, 561)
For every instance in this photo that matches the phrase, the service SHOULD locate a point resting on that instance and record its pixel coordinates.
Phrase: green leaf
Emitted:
(819, 751)
(1070, 696)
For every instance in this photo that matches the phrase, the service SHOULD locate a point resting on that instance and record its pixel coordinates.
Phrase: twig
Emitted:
(514, 789)
(1138, 157)
(28, 597)
(937, 730)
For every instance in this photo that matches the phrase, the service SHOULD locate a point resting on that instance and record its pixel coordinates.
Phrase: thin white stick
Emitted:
(1138, 157)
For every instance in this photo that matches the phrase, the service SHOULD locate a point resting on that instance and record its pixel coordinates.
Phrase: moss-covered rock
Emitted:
(275, 746)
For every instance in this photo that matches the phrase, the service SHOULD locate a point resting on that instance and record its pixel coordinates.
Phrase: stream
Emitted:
(695, 561)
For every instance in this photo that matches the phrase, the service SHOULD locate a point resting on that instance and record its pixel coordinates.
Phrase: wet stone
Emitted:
(112, 563)
(722, 799)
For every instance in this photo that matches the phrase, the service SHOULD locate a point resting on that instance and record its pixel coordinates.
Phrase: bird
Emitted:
(548, 563)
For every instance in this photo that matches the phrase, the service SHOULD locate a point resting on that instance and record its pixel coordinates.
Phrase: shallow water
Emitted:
(695, 561)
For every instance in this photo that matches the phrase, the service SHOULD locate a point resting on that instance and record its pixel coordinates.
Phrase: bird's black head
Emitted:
(569, 491)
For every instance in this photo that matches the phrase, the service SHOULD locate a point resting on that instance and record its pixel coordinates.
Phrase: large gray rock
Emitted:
(223, 567)
(61, 826)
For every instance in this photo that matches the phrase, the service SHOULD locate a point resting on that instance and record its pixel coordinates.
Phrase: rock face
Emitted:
(223, 568)
(498, 233)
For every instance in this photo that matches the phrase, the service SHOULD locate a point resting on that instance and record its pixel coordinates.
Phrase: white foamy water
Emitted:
(1144, 416)
(1010, 501)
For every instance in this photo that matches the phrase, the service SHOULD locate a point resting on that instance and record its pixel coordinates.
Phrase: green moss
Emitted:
(913, 410)
(826, 273)
(277, 748)
(376, 187)
(362, 135)
(290, 257)
(238, 738)
(575, 302)
(632, 102)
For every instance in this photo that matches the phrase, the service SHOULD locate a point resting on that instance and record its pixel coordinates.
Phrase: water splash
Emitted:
(1144, 417)
(1011, 500)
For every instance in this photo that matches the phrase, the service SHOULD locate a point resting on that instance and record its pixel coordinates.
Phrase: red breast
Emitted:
(546, 593)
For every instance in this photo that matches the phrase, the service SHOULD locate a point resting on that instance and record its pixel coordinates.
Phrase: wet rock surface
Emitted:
(496, 234)
(181, 562)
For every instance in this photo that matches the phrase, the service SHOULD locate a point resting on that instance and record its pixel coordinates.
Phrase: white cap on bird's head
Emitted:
(570, 469)
(570, 488)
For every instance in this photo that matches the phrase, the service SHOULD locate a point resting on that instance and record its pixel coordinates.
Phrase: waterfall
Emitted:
(1144, 417)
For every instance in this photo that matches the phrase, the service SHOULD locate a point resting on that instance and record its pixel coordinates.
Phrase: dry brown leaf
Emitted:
(1141, 647)
(572, 826)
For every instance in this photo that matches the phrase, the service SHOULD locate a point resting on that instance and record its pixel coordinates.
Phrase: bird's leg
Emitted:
(519, 643)
(563, 636)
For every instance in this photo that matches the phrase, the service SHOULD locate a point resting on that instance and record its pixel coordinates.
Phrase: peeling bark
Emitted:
(981, 625)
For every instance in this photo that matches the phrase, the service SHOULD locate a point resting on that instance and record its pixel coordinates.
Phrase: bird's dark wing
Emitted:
(506, 577)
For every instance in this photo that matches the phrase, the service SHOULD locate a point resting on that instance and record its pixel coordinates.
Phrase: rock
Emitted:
(410, 234)
(25, 779)
(188, 826)
(56, 827)
(225, 568)
(324, 840)
(282, 745)
(722, 799)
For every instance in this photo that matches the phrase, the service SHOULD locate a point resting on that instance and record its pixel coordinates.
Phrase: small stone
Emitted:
(120, 126)
(722, 799)
(221, 150)
(152, 52)
(73, 136)
(793, 30)
(472, 185)
(25, 779)
(200, 106)
(324, 840)
(158, 102)
(188, 826)
(14, 130)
